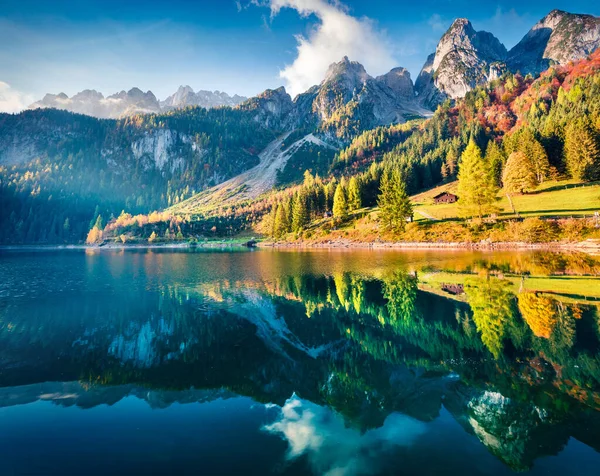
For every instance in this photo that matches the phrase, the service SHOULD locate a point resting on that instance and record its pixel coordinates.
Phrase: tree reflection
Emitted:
(400, 290)
(373, 345)
(492, 304)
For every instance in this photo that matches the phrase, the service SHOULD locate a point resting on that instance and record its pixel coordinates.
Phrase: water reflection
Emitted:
(359, 353)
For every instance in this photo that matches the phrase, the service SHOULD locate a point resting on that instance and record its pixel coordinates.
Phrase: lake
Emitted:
(299, 362)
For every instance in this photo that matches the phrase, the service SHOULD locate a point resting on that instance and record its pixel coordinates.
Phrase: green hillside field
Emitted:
(552, 198)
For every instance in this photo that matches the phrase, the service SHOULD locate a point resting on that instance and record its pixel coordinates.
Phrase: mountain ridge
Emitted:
(126, 103)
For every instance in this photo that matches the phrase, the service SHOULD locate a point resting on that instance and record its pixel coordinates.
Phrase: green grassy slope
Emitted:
(565, 198)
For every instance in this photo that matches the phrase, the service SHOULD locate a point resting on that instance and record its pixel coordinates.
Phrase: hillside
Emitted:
(262, 178)
(566, 198)
(552, 123)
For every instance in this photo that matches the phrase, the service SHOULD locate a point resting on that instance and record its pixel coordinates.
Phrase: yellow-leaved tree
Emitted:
(476, 184)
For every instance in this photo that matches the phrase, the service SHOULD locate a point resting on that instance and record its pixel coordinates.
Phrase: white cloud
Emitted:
(336, 35)
(334, 449)
(12, 100)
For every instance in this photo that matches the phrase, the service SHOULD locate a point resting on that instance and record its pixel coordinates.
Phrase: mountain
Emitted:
(464, 58)
(559, 37)
(349, 95)
(134, 101)
(347, 101)
(185, 96)
(273, 108)
(93, 103)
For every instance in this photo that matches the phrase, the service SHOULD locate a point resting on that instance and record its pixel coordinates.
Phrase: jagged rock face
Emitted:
(349, 91)
(274, 108)
(159, 148)
(464, 59)
(303, 106)
(93, 103)
(559, 37)
(346, 95)
(343, 81)
(399, 81)
(427, 93)
(185, 96)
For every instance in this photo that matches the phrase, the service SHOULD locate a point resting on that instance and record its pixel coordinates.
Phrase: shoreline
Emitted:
(119, 246)
(588, 246)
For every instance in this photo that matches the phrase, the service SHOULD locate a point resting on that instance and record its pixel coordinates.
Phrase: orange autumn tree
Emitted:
(539, 312)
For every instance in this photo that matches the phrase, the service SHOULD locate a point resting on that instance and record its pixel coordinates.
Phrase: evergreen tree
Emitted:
(340, 202)
(582, 151)
(476, 187)
(281, 226)
(393, 201)
(495, 159)
(300, 215)
(354, 194)
(99, 224)
(450, 162)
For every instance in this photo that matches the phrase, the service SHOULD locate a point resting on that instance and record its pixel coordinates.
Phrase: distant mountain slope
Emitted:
(185, 96)
(559, 37)
(56, 165)
(93, 103)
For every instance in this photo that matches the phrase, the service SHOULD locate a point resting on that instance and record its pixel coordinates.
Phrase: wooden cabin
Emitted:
(455, 289)
(445, 197)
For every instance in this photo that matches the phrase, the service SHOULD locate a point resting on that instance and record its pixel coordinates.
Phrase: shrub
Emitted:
(536, 230)
(573, 229)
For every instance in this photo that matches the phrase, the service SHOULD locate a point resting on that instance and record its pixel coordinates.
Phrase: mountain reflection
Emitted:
(508, 346)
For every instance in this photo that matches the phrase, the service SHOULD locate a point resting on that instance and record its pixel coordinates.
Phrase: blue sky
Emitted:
(240, 46)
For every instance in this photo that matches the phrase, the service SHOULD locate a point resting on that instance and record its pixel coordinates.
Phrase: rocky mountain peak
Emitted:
(462, 60)
(399, 81)
(134, 101)
(86, 94)
(272, 107)
(349, 74)
(185, 96)
(557, 38)
(462, 36)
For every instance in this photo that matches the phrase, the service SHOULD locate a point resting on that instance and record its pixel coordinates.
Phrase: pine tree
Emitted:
(393, 201)
(99, 224)
(450, 162)
(300, 215)
(354, 195)
(340, 203)
(518, 176)
(495, 159)
(476, 188)
(281, 226)
(582, 151)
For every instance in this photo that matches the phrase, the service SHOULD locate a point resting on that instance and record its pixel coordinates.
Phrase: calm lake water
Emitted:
(292, 362)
